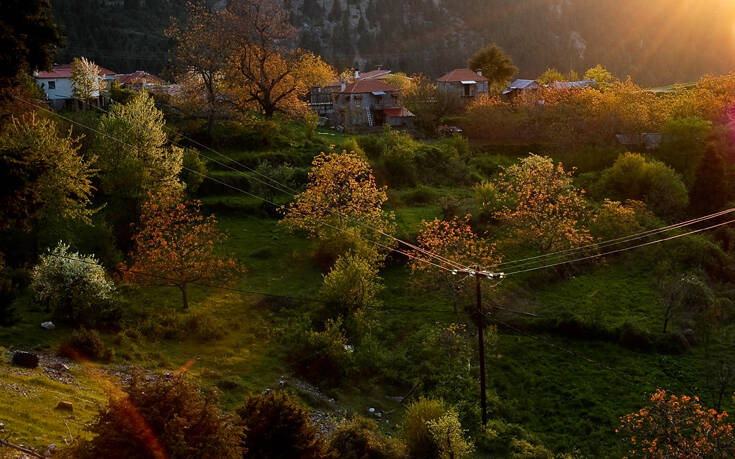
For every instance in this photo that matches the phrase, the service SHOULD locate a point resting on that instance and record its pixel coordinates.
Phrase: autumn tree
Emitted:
(43, 174)
(494, 64)
(263, 71)
(341, 204)
(677, 426)
(160, 416)
(86, 80)
(176, 246)
(541, 204)
(200, 54)
(429, 104)
(453, 240)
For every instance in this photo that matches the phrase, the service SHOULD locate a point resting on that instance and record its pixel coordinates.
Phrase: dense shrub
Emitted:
(74, 286)
(351, 285)
(159, 415)
(276, 427)
(653, 182)
(684, 144)
(503, 439)
(86, 344)
(360, 438)
(319, 356)
(615, 219)
(415, 427)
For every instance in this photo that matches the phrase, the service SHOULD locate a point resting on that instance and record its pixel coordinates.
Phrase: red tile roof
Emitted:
(135, 77)
(64, 71)
(461, 75)
(399, 112)
(373, 74)
(365, 86)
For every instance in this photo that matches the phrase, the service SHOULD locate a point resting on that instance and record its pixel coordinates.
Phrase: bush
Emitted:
(448, 435)
(650, 181)
(86, 344)
(319, 356)
(502, 439)
(415, 427)
(360, 438)
(161, 413)
(276, 427)
(422, 194)
(193, 171)
(351, 285)
(74, 286)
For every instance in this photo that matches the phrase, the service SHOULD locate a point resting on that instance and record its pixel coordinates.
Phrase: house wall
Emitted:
(64, 87)
(456, 87)
(62, 91)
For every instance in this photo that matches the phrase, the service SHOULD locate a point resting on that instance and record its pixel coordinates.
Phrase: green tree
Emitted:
(74, 286)
(684, 144)
(551, 75)
(352, 284)
(603, 78)
(161, 416)
(495, 65)
(135, 160)
(43, 175)
(28, 38)
(276, 427)
(634, 177)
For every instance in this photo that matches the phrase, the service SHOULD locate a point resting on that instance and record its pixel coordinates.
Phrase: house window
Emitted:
(52, 85)
(357, 100)
(467, 90)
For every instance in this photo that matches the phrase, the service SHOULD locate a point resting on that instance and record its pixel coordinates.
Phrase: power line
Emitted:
(617, 241)
(383, 246)
(621, 250)
(283, 188)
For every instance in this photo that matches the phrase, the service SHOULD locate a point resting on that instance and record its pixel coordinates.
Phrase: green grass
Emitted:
(564, 398)
(609, 295)
(28, 399)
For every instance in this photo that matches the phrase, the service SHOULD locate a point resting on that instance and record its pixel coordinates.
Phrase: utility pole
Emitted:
(475, 272)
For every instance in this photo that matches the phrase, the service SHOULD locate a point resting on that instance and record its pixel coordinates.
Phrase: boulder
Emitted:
(25, 359)
(65, 406)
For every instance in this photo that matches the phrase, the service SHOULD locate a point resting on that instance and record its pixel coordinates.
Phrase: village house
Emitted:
(519, 87)
(322, 98)
(138, 80)
(368, 103)
(58, 87)
(464, 83)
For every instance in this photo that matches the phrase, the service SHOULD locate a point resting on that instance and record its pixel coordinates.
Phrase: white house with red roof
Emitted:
(369, 103)
(464, 83)
(58, 86)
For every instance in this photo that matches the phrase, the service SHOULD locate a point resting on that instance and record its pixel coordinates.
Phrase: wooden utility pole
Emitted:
(479, 275)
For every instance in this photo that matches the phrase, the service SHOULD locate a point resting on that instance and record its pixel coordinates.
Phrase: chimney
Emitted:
(357, 74)
(479, 72)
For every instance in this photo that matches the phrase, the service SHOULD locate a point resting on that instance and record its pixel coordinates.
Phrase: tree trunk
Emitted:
(184, 297)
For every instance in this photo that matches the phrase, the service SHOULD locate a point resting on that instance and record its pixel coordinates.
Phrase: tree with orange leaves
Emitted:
(199, 55)
(541, 204)
(455, 241)
(175, 246)
(341, 204)
(677, 426)
(263, 71)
